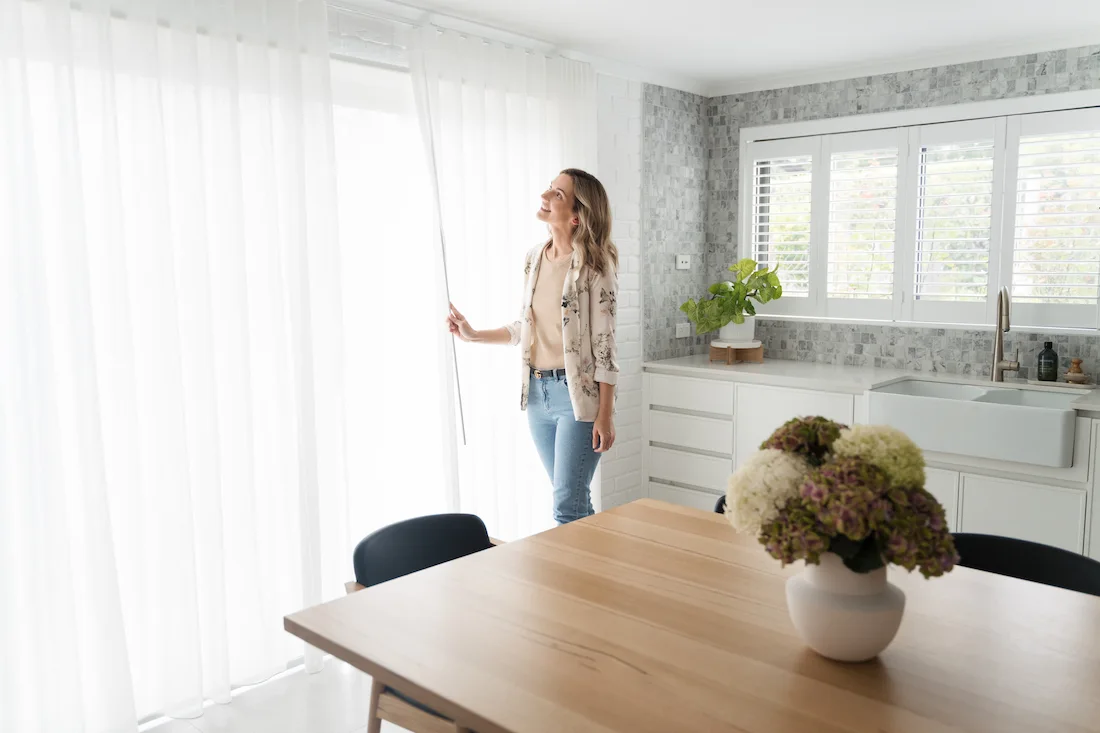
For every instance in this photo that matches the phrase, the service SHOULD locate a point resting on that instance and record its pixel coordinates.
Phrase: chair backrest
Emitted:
(1029, 561)
(417, 544)
(720, 505)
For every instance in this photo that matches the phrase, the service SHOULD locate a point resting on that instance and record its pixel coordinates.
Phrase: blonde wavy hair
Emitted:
(592, 237)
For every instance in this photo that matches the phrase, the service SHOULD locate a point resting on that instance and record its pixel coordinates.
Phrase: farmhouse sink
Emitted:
(1023, 426)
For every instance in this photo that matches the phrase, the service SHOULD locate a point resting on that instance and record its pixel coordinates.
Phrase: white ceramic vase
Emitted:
(738, 333)
(842, 614)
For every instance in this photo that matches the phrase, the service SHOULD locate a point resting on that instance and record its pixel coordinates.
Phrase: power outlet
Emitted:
(683, 262)
(683, 330)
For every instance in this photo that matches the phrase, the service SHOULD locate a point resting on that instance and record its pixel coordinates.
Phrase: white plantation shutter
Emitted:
(1055, 219)
(959, 170)
(862, 223)
(781, 227)
(863, 192)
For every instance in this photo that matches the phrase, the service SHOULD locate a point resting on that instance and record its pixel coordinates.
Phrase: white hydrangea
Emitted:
(760, 488)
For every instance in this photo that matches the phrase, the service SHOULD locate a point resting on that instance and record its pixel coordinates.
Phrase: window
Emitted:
(863, 191)
(782, 186)
(781, 222)
(386, 217)
(958, 168)
(862, 223)
(1055, 263)
(926, 223)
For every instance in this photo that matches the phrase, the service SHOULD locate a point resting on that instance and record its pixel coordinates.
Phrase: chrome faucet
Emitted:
(1001, 327)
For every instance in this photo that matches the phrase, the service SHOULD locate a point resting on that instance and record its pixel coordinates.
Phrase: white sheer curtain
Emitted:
(396, 369)
(171, 426)
(501, 123)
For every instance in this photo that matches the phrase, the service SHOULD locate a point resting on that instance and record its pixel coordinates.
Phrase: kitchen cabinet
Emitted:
(944, 485)
(698, 429)
(759, 410)
(1051, 515)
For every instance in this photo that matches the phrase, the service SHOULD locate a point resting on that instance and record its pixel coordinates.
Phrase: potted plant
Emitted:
(730, 310)
(846, 501)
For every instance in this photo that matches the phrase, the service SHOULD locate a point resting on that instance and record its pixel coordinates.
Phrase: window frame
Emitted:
(1007, 118)
(1050, 123)
(880, 309)
(775, 149)
(956, 312)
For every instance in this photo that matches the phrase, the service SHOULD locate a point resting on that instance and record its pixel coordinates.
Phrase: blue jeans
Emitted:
(564, 445)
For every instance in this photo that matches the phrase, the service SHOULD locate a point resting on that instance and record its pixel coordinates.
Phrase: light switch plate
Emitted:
(683, 262)
(683, 330)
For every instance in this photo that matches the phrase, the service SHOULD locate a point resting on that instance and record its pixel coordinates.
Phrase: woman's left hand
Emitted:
(603, 435)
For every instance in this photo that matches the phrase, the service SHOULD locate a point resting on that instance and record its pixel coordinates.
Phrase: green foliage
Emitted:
(731, 300)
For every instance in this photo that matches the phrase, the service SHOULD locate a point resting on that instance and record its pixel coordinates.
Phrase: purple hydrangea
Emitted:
(848, 496)
(849, 506)
(916, 536)
(811, 437)
(796, 534)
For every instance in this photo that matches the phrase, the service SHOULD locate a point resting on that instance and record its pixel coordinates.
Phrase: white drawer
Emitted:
(700, 433)
(699, 395)
(1049, 515)
(683, 497)
(944, 485)
(688, 468)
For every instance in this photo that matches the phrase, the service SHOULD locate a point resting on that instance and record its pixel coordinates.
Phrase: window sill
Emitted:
(928, 324)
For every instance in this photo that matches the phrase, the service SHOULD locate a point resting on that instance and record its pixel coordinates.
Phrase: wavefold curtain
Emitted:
(171, 428)
(499, 123)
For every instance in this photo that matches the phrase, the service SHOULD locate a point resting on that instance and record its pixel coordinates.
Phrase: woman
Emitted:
(568, 336)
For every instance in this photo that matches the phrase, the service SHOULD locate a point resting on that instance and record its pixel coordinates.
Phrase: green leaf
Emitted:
(721, 288)
(743, 268)
(867, 558)
(750, 308)
(846, 548)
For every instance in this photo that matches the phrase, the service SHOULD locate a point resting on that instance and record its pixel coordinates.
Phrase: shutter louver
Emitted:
(863, 197)
(954, 218)
(1056, 250)
(781, 220)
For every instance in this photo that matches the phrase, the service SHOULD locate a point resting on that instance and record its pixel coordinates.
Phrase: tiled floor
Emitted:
(334, 700)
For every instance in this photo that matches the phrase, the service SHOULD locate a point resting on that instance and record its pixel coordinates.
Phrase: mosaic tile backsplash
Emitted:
(674, 172)
(671, 204)
(940, 350)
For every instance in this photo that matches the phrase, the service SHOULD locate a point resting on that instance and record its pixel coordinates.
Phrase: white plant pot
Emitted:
(739, 333)
(842, 614)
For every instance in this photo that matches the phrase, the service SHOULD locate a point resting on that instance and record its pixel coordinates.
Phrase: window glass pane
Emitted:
(781, 220)
(953, 221)
(863, 193)
(1056, 249)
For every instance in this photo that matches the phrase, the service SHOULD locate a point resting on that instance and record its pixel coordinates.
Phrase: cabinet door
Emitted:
(684, 497)
(686, 393)
(944, 485)
(1047, 514)
(758, 411)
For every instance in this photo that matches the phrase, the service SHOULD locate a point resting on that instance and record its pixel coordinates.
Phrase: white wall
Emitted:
(619, 150)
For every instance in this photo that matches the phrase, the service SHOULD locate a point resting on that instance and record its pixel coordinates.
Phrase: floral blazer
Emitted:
(588, 331)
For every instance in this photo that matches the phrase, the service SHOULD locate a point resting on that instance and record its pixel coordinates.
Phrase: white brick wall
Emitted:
(619, 153)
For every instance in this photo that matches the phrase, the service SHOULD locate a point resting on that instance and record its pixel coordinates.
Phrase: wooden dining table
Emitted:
(656, 618)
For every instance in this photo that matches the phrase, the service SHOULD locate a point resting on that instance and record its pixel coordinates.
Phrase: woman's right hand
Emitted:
(460, 327)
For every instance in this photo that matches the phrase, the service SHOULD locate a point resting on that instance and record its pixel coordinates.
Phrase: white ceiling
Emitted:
(724, 46)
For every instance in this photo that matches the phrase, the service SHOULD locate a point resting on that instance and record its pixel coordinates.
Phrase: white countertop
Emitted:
(838, 378)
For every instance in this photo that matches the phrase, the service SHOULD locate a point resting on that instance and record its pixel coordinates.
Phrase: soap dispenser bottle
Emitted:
(1048, 363)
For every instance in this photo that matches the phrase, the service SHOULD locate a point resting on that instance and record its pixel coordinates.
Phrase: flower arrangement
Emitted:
(817, 486)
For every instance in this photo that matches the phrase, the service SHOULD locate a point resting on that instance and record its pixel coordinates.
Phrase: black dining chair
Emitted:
(400, 549)
(1029, 561)
(720, 505)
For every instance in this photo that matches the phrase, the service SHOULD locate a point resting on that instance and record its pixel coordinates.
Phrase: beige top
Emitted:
(547, 348)
(651, 618)
(588, 305)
